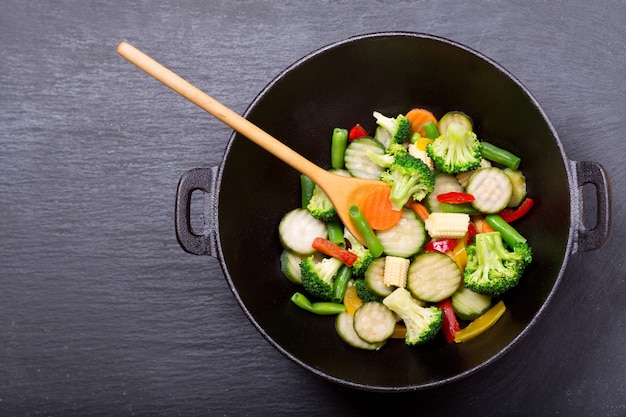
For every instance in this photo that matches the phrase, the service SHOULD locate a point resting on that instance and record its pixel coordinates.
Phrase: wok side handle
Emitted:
(590, 238)
(204, 243)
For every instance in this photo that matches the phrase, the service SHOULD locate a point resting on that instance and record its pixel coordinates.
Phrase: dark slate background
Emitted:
(103, 314)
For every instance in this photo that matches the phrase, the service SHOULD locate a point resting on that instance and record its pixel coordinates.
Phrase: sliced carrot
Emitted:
(419, 117)
(419, 209)
(377, 209)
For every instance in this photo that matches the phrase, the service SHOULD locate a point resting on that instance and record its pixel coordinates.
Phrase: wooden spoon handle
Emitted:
(217, 109)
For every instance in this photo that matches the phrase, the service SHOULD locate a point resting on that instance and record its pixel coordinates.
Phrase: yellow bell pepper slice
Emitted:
(481, 324)
(351, 300)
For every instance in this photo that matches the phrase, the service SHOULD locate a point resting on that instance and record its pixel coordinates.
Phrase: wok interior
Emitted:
(338, 87)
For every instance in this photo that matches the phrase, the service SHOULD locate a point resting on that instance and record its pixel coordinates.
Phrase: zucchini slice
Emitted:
(492, 189)
(455, 117)
(469, 305)
(358, 163)
(406, 238)
(344, 325)
(374, 278)
(290, 266)
(374, 322)
(518, 180)
(297, 230)
(444, 183)
(433, 277)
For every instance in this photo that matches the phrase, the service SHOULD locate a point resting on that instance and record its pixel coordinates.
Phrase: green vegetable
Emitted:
(297, 230)
(431, 130)
(374, 322)
(492, 189)
(335, 232)
(500, 156)
(491, 268)
(444, 183)
(406, 238)
(364, 255)
(318, 276)
(339, 141)
(306, 186)
(320, 205)
(408, 177)
(399, 127)
(422, 323)
(433, 277)
(469, 305)
(509, 234)
(344, 325)
(455, 117)
(371, 240)
(340, 283)
(290, 266)
(357, 161)
(323, 308)
(364, 292)
(457, 150)
(374, 278)
(518, 180)
(386, 160)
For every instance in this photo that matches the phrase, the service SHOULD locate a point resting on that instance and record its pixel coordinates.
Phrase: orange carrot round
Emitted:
(377, 209)
(419, 209)
(418, 118)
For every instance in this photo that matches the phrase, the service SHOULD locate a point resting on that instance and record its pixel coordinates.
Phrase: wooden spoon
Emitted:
(342, 191)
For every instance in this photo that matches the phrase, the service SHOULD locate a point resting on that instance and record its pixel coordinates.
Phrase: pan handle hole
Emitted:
(590, 208)
(196, 212)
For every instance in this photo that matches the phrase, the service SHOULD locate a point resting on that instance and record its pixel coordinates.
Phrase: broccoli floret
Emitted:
(364, 293)
(458, 150)
(320, 205)
(399, 127)
(386, 159)
(364, 255)
(422, 322)
(492, 269)
(408, 177)
(318, 276)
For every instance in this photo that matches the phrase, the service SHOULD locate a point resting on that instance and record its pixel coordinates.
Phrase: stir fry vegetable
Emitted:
(440, 245)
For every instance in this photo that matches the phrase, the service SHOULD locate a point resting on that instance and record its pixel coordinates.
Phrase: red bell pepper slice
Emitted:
(332, 249)
(455, 197)
(440, 245)
(510, 215)
(357, 132)
(450, 323)
(471, 232)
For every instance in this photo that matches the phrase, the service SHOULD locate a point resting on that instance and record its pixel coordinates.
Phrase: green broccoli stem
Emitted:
(371, 240)
(306, 186)
(323, 308)
(335, 232)
(509, 234)
(499, 155)
(339, 142)
(340, 283)
(431, 130)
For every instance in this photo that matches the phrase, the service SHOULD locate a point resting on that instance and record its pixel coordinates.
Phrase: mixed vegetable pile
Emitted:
(440, 247)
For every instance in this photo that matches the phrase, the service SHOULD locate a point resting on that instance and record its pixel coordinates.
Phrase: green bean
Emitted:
(371, 240)
(324, 308)
(335, 232)
(339, 142)
(500, 156)
(415, 136)
(458, 208)
(509, 234)
(340, 283)
(306, 186)
(431, 130)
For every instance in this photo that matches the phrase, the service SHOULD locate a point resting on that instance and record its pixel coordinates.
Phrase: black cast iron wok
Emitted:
(338, 86)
